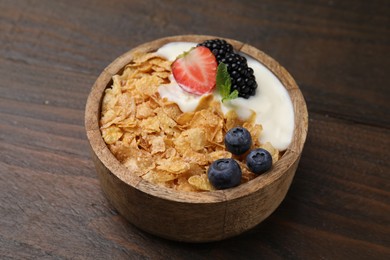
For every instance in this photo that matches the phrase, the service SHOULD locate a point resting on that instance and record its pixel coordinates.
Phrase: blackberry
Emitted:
(220, 48)
(241, 75)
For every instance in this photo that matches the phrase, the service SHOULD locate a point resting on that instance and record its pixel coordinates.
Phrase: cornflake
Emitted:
(155, 140)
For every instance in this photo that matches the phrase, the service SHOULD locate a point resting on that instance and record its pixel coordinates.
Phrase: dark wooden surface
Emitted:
(51, 52)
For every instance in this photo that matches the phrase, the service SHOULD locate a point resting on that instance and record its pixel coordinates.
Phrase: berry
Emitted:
(241, 75)
(259, 160)
(195, 71)
(238, 140)
(224, 173)
(220, 48)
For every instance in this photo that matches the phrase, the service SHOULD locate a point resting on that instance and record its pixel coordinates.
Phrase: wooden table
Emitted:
(51, 52)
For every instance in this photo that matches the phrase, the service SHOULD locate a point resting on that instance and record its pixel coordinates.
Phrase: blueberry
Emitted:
(259, 160)
(224, 173)
(238, 140)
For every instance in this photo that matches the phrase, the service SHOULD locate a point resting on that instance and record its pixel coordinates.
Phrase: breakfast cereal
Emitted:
(155, 140)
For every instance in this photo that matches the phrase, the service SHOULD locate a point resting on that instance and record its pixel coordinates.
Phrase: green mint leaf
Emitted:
(223, 80)
(231, 96)
(224, 83)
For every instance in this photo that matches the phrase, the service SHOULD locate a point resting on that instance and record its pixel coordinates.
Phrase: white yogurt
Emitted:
(173, 92)
(272, 104)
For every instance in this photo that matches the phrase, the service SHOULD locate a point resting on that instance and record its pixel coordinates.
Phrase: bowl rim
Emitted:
(99, 147)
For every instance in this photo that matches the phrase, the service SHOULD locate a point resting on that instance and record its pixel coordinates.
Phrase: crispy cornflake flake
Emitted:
(272, 150)
(142, 58)
(200, 182)
(196, 138)
(150, 125)
(211, 122)
(111, 134)
(169, 153)
(157, 144)
(215, 155)
(155, 140)
(183, 184)
(247, 175)
(232, 120)
(185, 119)
(255, 131)
(144, 111)
(195, 157)
(145, 161)
(161, 177)
(161, 63)
(172, 110)
(167, 124)
(173, 166)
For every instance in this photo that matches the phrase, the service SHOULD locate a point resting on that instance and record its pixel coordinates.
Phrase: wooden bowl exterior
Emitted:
(191, 216)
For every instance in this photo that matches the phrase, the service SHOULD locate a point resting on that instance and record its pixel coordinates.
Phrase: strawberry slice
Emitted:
(195, 71)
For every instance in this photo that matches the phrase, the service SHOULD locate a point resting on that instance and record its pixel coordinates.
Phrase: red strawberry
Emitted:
(195, 71)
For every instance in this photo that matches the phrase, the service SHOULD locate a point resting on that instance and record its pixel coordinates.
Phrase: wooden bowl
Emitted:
(193, 216)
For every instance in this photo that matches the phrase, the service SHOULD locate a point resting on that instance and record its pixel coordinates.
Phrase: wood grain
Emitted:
(51, 52)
